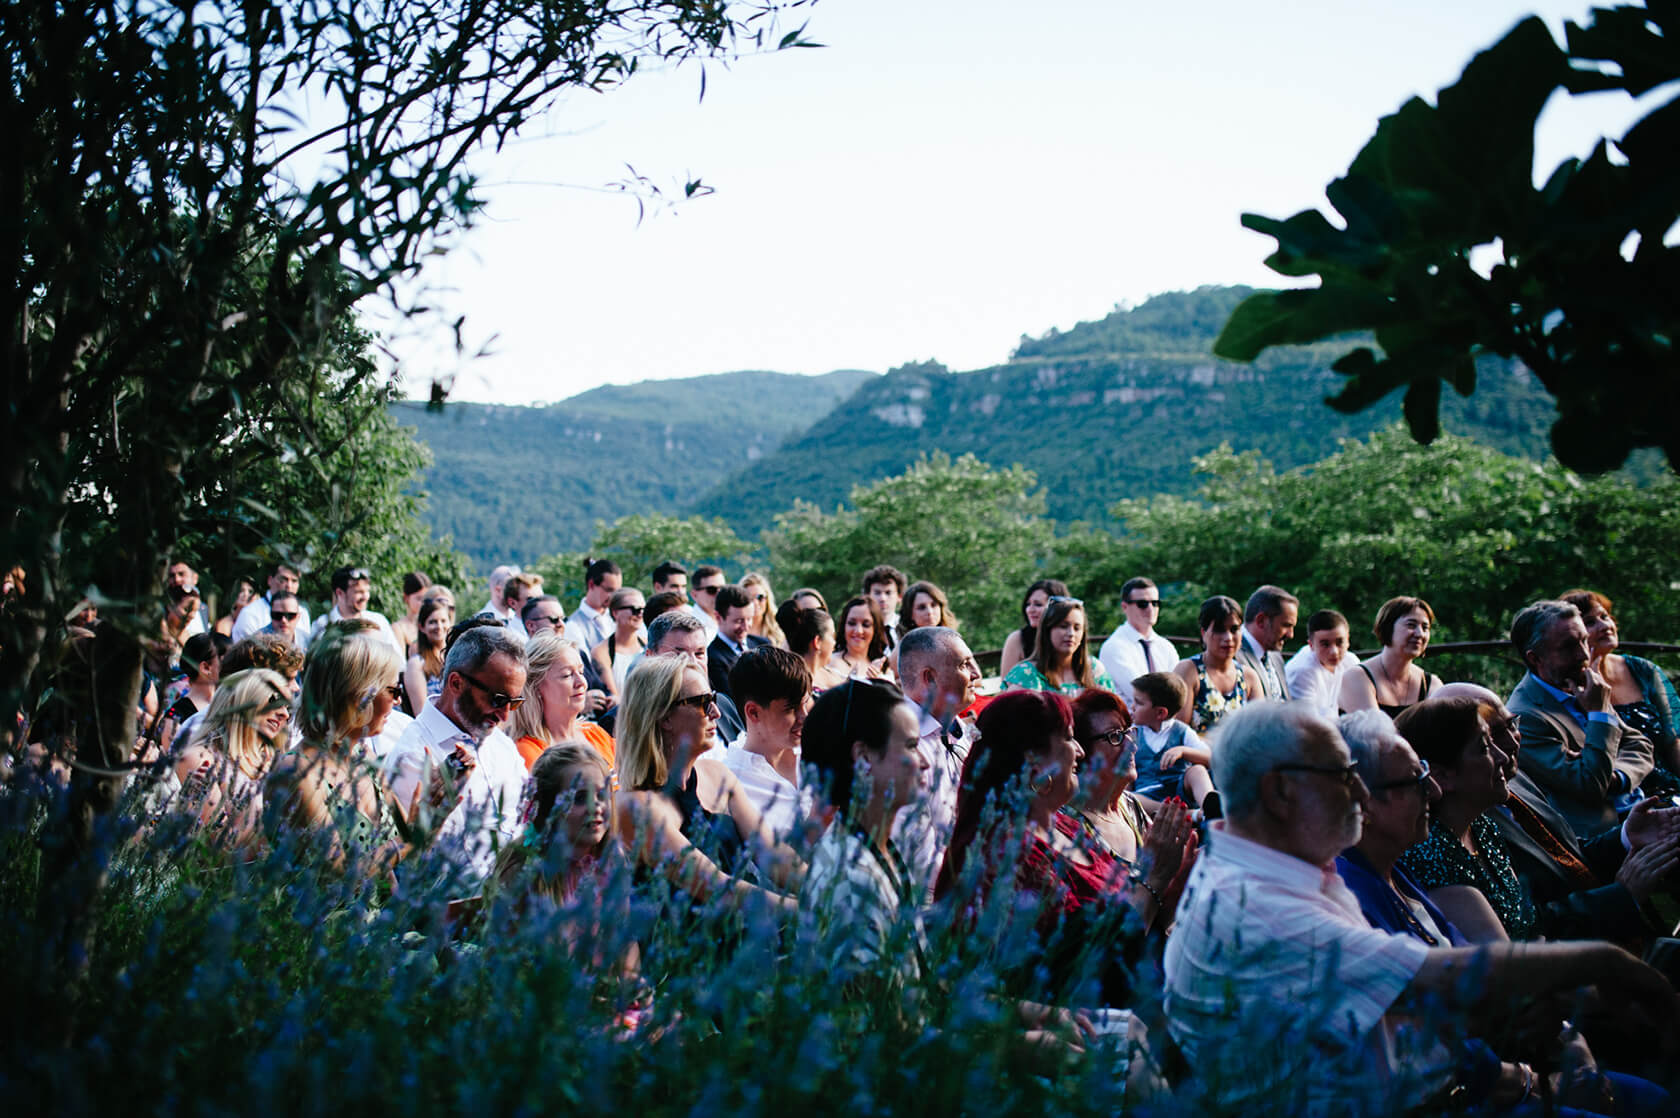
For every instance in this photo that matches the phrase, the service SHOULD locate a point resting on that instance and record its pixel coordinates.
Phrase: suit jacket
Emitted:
(1567, 911)
(1576, 766)
(720, 658)
(1245, 655)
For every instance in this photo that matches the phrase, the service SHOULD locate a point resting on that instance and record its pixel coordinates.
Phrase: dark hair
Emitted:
(731, 596)
(859, 710)
(662, 602)
(802, 626)
(663, 572)
(947, 619)
(1439, 730)
(414, 582)
(1325, 619)
(763, 675)
(341, 579)
(1391, 613)
(1138, 583)
(279, 565)
(822, 602)
(1054, 614)
(1013, 726)
(280, 596)
(1218, 608)
(1094, 701)
(1585, 599)
(705, 570)
(594, 570)
(467, 625)
(1053, 588)
(179, 594)
(201, 647)
(263, 650)
(1269, 600)
(1162, 689)
(536, 600)
(883, 573)
(877, 640)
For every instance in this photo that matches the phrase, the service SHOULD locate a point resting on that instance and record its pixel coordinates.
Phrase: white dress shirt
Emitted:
(1122, 654)
(1311, 684)
(374, 616)
(487, 819)
(256, 616)
(779, 801)
(1279, 990)
(922, 829)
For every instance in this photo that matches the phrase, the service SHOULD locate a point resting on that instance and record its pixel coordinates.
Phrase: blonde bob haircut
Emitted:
(230, 724)
(649, 694)
(542, 655)
(345, 668)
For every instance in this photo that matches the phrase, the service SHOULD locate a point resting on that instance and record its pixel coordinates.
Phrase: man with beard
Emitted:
(1284, 998)
(939, 674)
(483, 680)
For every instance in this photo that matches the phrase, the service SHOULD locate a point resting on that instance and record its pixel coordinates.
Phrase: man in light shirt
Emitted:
(1314, 673)
(939, 674)
(498, 591)
(1135, 648)
(1281, 995)
(282, 578)
(352, 587)
(590, 623)
(772, 688)
(483, 680)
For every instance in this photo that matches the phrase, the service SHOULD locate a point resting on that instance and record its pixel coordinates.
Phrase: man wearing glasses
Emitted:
(707, 582)
(351, 589)
(283, 614)
(282, 579)
(1135, 648)
(483, 683)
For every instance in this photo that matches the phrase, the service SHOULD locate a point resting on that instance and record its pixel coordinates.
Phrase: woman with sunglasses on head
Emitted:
(613, 656)
(1060, 659)
(1019, 644)
(685, 815)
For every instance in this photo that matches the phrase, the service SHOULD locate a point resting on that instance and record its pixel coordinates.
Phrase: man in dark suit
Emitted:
(1594, 886)
(1268, 621)
(735, 615)
(1573, 744)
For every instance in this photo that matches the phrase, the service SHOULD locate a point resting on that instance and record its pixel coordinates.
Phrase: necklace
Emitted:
(1410, 916)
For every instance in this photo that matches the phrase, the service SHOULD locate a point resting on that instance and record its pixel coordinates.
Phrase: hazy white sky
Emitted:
(941, 178)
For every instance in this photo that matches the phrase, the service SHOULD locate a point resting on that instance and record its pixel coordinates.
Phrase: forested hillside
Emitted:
(516, 482)
(1109, 409)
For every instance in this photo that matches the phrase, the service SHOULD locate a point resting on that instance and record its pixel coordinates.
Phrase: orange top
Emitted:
(531, 748)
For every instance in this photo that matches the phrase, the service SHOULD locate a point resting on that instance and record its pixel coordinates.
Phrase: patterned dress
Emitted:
(1441, 860)
(1211, 703)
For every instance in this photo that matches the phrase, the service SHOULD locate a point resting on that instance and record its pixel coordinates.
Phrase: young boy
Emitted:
(1315, 672)
(1172, 759)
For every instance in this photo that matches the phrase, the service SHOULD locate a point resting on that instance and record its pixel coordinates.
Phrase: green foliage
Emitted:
(975, 531)
(1596, 324)
(640, 542)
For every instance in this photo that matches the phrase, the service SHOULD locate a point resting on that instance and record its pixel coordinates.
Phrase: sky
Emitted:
(936, 181)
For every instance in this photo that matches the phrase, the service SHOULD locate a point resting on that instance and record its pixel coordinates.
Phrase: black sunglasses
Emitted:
(1144, 603)
(633, 611)
(706, 700)
(497, 700)
(281, 615)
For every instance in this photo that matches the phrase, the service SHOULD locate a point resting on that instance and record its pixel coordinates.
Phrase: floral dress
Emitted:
(1211, 703)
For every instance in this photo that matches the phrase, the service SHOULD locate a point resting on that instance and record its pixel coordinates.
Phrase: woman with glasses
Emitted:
(1019, 644)
(556, 699)
(1060, 661)
(329, 785)
(613, 656)
(221, 771)
(763, 598)
(1216, 684)
(685, 815)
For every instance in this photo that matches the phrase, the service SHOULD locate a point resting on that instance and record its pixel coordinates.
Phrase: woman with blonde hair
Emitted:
(556, 697)
(222, 769)
(763, 598)
(686, 815)
(329, 783)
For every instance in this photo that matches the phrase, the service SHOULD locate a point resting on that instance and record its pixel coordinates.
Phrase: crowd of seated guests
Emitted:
(1369, 866)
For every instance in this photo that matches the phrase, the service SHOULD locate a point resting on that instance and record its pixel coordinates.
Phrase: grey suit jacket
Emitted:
(1576, 767)
(1275, 659)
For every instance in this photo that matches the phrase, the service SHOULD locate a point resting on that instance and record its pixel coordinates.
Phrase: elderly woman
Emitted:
(1465, 847)
(1060, 661)
(1019, 644)
(1391, 681)
(556, 698)
(685, 815)
(222, 769)
(329, 784)
(1640, 691)
(1215, 683)
(1110, 817)
(613, 656)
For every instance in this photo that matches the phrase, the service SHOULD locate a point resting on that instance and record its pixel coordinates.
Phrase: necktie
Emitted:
(1148, 656)
(1535, 827)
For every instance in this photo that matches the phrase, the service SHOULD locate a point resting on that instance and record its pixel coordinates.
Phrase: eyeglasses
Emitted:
(706, 701)
(547, 620)
(1144, 603)
(1420, 781)
(1348, 775)
(1117, 738)
(498, 701)
(282, 615)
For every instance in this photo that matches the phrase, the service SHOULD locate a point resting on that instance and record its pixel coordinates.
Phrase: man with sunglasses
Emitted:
(282, 579)
(483, 683)
(1135, 648)
(1285, 999)
(352, 587)
(284, 610)
(708, 580)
